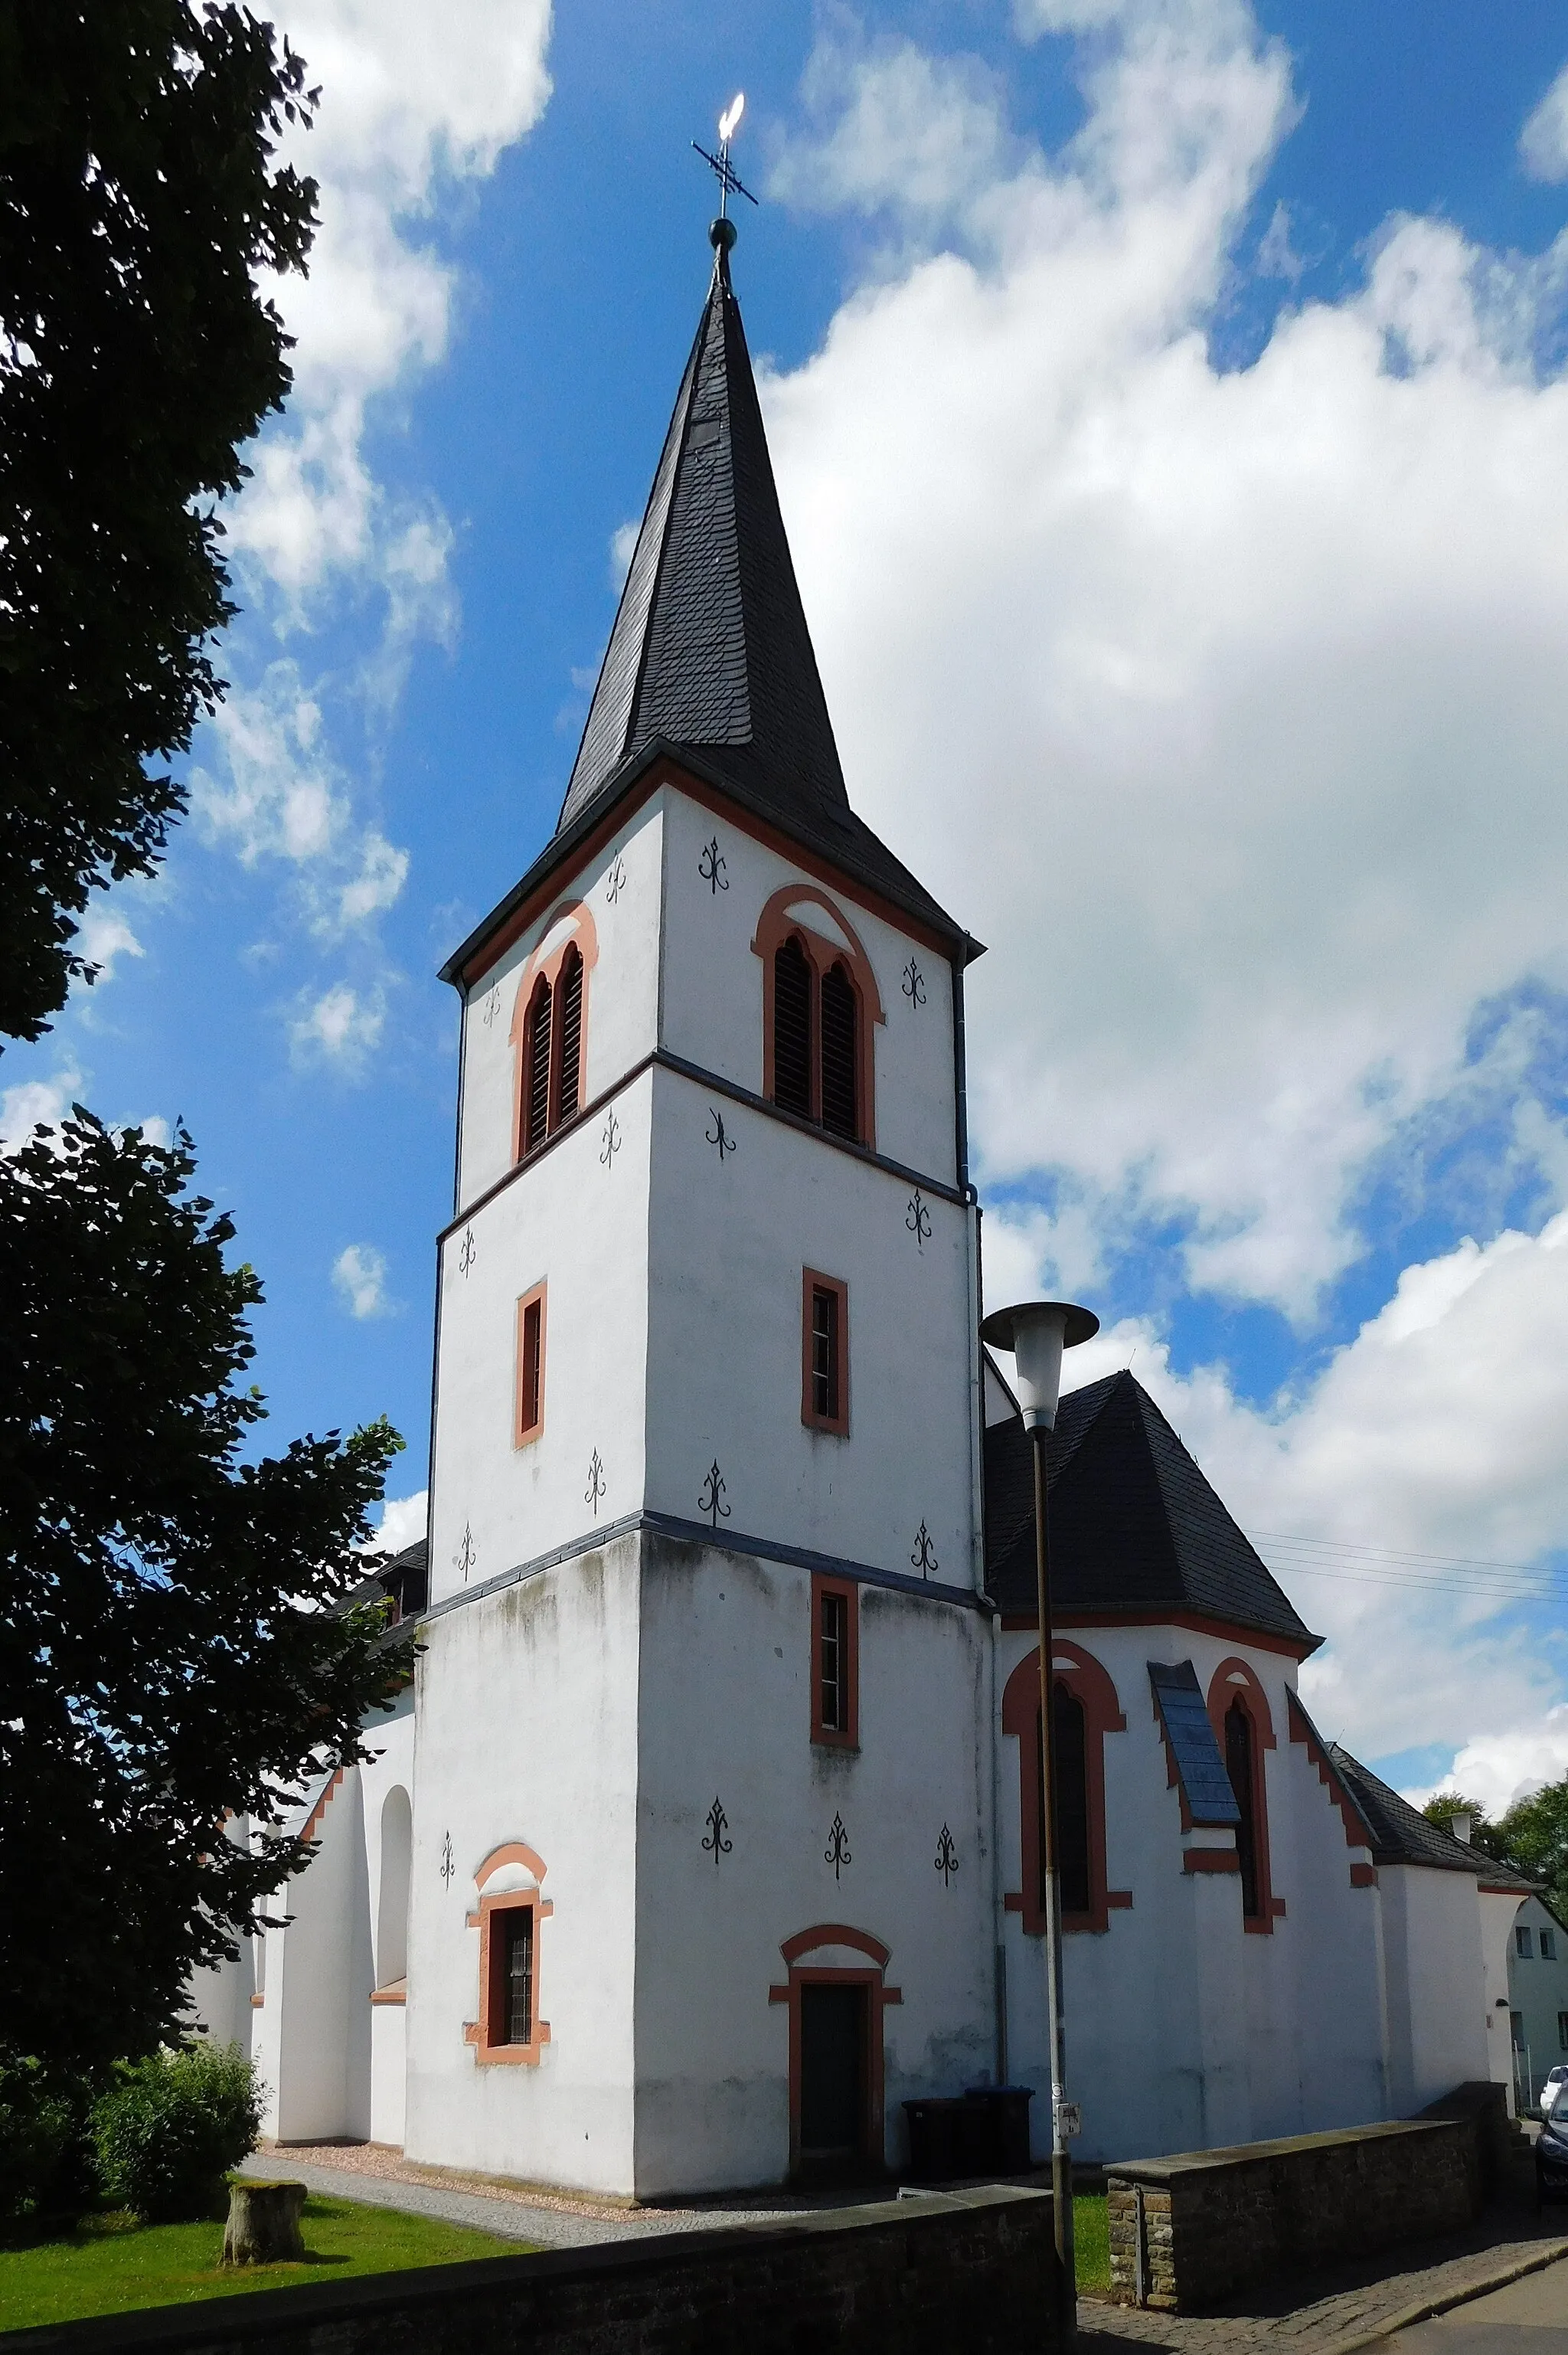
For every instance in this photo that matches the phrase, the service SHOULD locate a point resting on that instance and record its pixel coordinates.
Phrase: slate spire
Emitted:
(710, 650)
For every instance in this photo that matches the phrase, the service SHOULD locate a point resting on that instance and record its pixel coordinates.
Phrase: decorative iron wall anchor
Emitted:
(491, 1004)
(947, 1856)
(837, 1851)
(718, 1824)
(711, 1500)
(917, 1219)
(719, 1135)
(711, 867)
(914, 984)
(469, 1252)
(466, 1555)
(615, 881)
(448, 1867)
(924, 1557)
(609, 1144)
(595, 1488)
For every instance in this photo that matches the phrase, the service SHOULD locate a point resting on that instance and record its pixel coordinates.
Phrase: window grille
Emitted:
(536, 1104)
(530, 1368)
(570, 988)
(1241, 1768)
(825, 1353)
(840, 1036)
(833, 1663)
(792, 981)
(516, 2022)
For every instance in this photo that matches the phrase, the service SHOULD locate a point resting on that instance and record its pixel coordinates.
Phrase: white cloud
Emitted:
(1544, 141)
(1226, 706)
(283, 796)
(339, 1027)
(1498, 1769)
(1434, 1439)
(105, 936)
(38, 1104)
(359, 1277)
(403, 1519)
(1277, 257)
(409, 110)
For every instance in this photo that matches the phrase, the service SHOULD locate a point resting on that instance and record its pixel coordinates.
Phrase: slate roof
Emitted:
(710, 660)
(1189, 1738)
(1135, 1526)
(1402, 1835)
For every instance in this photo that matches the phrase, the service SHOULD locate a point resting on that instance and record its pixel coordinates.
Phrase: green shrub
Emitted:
(173, 2126)
(43, 2120)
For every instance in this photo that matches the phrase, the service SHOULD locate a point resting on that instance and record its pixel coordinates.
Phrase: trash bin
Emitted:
(1004, 2135)
(934, 2134)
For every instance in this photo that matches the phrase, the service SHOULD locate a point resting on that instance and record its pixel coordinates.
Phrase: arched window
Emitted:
(549, 1029)
(1241, 1768)
(792, 994)
(819, 1006)
(569, 1037)
(536, 1067)
(840, 1026)
(1244, 1728)
(1085, 1710)
(392, 1903)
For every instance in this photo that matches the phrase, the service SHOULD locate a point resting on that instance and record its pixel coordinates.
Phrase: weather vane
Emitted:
(730, 180)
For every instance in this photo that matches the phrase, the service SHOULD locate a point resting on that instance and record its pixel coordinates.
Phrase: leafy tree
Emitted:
(180, 1639)
(1444, 1806)
(137, 204)
(1533, 1837)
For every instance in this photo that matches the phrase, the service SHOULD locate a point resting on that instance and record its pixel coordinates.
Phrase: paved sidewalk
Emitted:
(1528, 2317)
(1328, 2310)
(383, 2179)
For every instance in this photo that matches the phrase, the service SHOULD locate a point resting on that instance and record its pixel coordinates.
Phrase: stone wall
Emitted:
(920, 2276)
(1190, 2229)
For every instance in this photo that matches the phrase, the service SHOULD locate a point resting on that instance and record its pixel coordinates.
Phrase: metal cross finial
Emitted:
(730, 180)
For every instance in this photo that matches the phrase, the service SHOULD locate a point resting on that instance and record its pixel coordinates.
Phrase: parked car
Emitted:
(1551, 2159)
(1551, 2092)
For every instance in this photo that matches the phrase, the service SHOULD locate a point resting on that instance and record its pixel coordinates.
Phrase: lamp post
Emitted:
(1037, 1331)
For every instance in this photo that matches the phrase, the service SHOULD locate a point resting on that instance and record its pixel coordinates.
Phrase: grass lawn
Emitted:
(110, 2264)
(1091, 2243)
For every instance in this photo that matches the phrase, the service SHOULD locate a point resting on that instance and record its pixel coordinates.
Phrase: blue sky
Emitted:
(1166, 403)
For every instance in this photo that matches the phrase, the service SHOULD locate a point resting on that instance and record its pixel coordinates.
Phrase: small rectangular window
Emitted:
(824, 1353)
(1548, 1946)
(1563, 2030)
(511, 1976)
(1521, 1942)
(835, 1663)
(530, 1420)
(1516, 2025)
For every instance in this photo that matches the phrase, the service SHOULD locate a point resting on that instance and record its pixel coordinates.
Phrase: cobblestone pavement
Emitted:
(1328, 2309)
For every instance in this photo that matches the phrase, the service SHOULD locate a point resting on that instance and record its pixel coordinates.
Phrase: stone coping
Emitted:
(323, 2309)
(1254, 2154)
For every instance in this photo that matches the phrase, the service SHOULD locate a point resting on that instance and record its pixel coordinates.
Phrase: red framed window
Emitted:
(825, 1352)
(1244, 1728)
(549, 1031)
(820, 1004)
(835, 1661)
(1085, 1710)
(530, 1411)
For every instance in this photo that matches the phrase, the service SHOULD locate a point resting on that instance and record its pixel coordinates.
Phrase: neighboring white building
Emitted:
(708, 1832)
(1537, 1956)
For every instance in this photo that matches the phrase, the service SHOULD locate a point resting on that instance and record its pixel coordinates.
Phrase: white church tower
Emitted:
(703, 1877)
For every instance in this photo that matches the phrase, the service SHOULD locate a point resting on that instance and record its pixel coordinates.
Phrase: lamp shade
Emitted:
(1037, 1331)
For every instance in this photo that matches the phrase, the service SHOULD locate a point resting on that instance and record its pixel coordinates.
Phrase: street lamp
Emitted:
(1037, 1331)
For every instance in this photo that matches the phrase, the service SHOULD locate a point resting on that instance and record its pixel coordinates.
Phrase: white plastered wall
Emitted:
(725, 1714)
(1535, 1987)
(527, 1731)
(1436, 1988)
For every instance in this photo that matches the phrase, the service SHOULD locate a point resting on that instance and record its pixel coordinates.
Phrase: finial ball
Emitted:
(721, 234)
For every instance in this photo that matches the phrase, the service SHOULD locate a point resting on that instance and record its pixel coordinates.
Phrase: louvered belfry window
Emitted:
(537, 1068)
(792, 994)
(841, 1027)
(569, 999)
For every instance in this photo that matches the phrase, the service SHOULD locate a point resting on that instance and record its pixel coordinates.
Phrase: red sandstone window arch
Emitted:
(549, 1029)
(509, 2028)
(820, 1009)
(1244, 1728)
(1091, 1711)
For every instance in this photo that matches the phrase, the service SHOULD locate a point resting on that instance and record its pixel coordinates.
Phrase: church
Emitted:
(706, 1834)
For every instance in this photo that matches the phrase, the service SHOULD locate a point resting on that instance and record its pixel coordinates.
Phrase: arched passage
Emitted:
(392, 1903)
